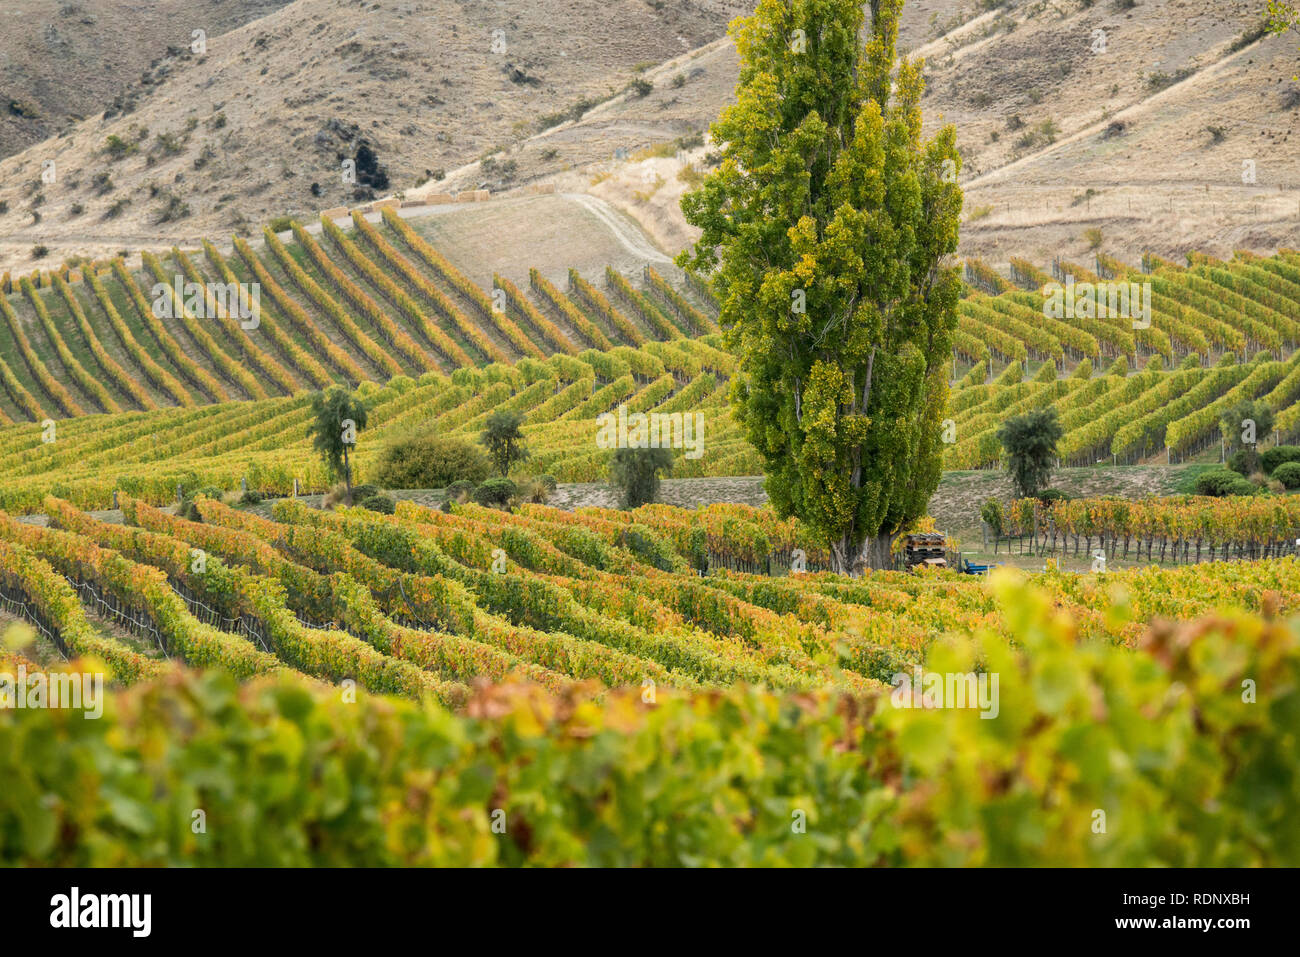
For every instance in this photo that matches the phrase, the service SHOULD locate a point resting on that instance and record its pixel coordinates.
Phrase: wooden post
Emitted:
(295, 488)
(115, 505)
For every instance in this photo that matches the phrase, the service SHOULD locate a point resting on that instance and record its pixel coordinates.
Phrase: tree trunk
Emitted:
(347, 474)
(871, 555)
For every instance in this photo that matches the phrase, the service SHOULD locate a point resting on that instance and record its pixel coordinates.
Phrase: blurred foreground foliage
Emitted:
(1186, 743)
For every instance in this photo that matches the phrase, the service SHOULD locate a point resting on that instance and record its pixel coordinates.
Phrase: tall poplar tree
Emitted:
(829, 228)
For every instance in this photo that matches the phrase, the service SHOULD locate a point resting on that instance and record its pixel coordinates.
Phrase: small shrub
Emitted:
(429, 460)
(460, 491)
(1223, 482)
(536, 490)
(187, 508)
(1279, 455)
(1050, 496)
(383, 504)
(40, 251)
(251, 497)
(1288, 473)
(117, 148)
(169, 143)
(496, 492)
(116, 209)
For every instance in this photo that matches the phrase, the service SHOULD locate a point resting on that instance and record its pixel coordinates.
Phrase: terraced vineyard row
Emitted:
(379, 304)
(417, 603)
(364, 304)
(1113, 417)
(148, 454)
(1166, 414)
(1243, 306)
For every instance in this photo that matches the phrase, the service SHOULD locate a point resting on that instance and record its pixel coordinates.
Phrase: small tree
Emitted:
(1243, 426)
(635, 472)
(337, 417)
(1030, 443)
(504, 439)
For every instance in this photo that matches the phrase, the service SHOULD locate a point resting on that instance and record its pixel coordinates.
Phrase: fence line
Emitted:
(135, 620)
(18, 602)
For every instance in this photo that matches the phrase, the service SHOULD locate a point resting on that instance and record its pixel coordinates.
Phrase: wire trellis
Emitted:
(248, 626)
(134, 620)
(17, 602)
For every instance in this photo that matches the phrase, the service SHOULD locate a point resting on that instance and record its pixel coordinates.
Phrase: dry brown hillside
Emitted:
(66, 60)
(260, 126)
(1143, 139)
(1124, 123)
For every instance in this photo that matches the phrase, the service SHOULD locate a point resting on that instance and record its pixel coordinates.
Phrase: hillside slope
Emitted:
(1145, 141)
(261, 125)
(61, 62)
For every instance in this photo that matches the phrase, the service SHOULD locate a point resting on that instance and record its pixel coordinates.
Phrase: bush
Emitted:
(1239, 462)
(428, 460)
(251, 498)
(116, 147)
(1278, 455)
(1049, 496)
(1288, 473)
(460, 491)
(1222, 482)
(496, 492)
(536, 490)
(378, 503)
(187, 508)
(338, 495)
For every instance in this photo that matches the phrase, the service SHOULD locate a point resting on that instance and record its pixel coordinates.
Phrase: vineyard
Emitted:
(1176, 529)
(264, 442)
(379, 308)
(587, 435)
(427, 604)
(362, 305)
(426, 601)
